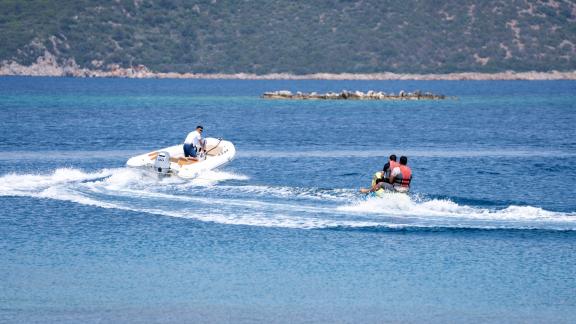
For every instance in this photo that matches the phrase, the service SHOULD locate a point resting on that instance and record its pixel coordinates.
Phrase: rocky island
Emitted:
(354, 95)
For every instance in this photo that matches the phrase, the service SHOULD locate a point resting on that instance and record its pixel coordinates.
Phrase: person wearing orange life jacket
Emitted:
(399, 179)
(401, 176)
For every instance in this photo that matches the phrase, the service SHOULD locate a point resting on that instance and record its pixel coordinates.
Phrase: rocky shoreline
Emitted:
(47, 65)
(353, 95)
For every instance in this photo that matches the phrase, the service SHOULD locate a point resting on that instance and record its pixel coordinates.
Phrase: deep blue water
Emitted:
(488, 233)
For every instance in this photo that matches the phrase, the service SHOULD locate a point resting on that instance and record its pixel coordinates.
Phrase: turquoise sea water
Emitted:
(488, 233)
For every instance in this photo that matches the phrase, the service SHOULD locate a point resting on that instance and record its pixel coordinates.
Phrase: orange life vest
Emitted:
(404, 178)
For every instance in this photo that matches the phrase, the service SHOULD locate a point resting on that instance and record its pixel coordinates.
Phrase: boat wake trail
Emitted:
(228, 198)
(417, 211)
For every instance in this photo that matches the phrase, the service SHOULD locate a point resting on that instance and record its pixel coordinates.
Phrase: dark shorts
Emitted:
(189, 150)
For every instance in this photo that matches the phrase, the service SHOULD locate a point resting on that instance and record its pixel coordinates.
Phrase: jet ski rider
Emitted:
(384, 175)
(194, 143)
(399, 178)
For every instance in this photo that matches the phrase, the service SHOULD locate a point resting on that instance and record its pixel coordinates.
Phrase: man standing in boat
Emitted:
(194, 143)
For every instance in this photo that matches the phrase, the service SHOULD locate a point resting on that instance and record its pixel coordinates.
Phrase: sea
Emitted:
(281, 234)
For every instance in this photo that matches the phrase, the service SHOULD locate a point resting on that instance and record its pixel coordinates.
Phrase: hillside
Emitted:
(298, 37)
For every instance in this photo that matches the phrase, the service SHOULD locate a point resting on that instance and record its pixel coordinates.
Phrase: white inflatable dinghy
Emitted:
(171, 161)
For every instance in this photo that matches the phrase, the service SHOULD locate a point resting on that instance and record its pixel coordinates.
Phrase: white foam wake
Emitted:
(446, 213)
(14, 184)
(210, 198)
(132, 190)
(212, 177)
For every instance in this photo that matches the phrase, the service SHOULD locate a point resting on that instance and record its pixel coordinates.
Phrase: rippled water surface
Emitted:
(281, 234)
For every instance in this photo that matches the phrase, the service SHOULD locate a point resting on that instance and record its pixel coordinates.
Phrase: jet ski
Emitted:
(382, 191)
(170, 161)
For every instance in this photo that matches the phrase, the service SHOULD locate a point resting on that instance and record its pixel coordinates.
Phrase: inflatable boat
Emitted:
(170, 161)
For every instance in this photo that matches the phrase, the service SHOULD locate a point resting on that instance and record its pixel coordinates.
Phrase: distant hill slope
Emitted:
(300, 37)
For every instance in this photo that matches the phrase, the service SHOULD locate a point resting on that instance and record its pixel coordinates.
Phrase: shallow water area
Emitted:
(281, 234)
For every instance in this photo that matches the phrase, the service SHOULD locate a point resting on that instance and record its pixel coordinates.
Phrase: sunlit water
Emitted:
(281, 234)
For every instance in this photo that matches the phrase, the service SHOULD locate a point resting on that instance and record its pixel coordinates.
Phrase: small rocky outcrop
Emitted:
(354, 95)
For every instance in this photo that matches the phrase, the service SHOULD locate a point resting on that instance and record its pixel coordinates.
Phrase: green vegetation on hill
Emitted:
(270, 36)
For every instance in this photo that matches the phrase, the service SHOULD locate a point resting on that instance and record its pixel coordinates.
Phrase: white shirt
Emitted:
(396, 171)
(194, 138)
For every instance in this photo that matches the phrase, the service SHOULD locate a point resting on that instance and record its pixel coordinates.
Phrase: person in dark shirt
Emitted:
(384, 175)
(388, 167)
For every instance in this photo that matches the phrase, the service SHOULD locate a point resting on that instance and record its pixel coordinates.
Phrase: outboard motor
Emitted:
(162, 163)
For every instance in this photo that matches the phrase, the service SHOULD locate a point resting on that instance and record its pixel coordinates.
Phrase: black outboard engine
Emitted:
(162, 164)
